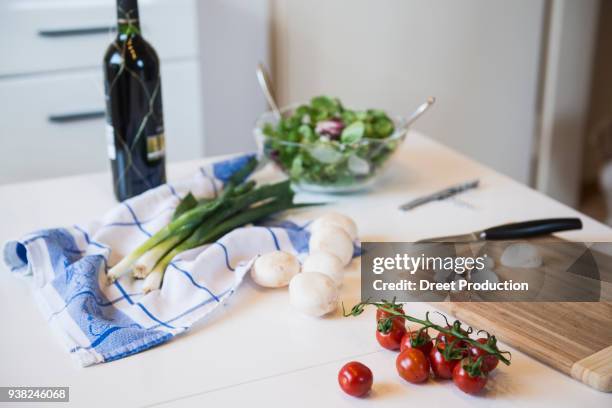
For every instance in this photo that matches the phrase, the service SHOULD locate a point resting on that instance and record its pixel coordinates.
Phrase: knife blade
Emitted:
(518, 230)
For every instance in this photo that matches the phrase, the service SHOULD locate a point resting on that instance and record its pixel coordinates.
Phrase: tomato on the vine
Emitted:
(393, 338)
(355, 379)
(383, 314)
(420, 340)
(441, 367)
(489, 361)
(470, 383)
(412, 365)
(449, 338)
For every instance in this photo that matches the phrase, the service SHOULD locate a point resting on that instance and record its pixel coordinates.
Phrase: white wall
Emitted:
(480, 58)
(234, 36)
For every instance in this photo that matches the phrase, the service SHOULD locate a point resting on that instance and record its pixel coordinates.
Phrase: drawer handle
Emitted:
(67, 32)
(75, 117)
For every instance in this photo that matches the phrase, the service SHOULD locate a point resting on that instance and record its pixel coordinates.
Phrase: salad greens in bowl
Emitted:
(324, 147)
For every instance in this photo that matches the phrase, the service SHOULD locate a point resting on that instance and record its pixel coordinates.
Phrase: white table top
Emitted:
(258, 350)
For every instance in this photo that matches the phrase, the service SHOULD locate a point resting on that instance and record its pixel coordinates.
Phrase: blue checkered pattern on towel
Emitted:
(101, 323)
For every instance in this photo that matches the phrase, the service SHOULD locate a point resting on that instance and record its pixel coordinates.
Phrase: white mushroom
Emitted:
(275, 269)
(326, 264)
(333, 240)
(313, 294)
(337, 220)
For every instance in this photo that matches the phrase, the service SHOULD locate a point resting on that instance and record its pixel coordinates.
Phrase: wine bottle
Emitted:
(135, 124)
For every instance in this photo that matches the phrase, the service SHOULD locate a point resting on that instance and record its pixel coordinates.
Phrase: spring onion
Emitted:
(208, 234)
(186, 222)
(242, 197)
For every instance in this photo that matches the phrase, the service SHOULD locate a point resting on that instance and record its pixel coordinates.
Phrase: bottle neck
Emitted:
(127, 18)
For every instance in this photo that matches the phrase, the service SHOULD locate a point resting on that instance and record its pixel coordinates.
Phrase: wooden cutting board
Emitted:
(572, 337)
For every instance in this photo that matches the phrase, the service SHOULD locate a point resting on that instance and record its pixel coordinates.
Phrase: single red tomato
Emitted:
(466, 382)
(412, 366)
(417, 340)
(439, 365)
(392, 339)
(355, 379)
(489, 362)
(383, 314)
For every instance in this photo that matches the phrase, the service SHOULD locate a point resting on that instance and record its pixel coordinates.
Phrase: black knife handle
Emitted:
(532, 228)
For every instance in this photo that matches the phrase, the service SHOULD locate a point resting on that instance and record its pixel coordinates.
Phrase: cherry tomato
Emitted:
(466, 383)
(412, 366)
(382, 314)
(449, 338)
(393, 338)
(489, 362)
(355, 379)
(439, 365)
(422, 342)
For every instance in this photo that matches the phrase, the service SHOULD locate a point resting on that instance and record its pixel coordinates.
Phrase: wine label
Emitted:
(111, 150)
(156, 146)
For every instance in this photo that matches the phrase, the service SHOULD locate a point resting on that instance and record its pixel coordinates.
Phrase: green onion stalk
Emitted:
(145, 264)
(184, 224)
(242, 197)
(213, 230)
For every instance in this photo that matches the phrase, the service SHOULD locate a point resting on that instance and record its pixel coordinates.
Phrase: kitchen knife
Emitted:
(518, 230)
(439, 195)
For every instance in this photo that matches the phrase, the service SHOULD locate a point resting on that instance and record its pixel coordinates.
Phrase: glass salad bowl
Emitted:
(328, 156)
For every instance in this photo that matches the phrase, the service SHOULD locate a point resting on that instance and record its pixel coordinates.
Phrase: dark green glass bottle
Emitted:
(135, 123)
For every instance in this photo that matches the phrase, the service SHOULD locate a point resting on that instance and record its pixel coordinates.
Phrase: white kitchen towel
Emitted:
(101, 322)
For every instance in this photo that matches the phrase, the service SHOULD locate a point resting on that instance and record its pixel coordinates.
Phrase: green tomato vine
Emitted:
(452, 351)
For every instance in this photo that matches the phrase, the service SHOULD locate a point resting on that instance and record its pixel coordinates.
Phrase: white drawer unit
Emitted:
(52, 92)
(41, 132)
(53, 125)
(50, 35)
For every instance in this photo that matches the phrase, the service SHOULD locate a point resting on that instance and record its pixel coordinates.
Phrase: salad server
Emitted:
(266, 86)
